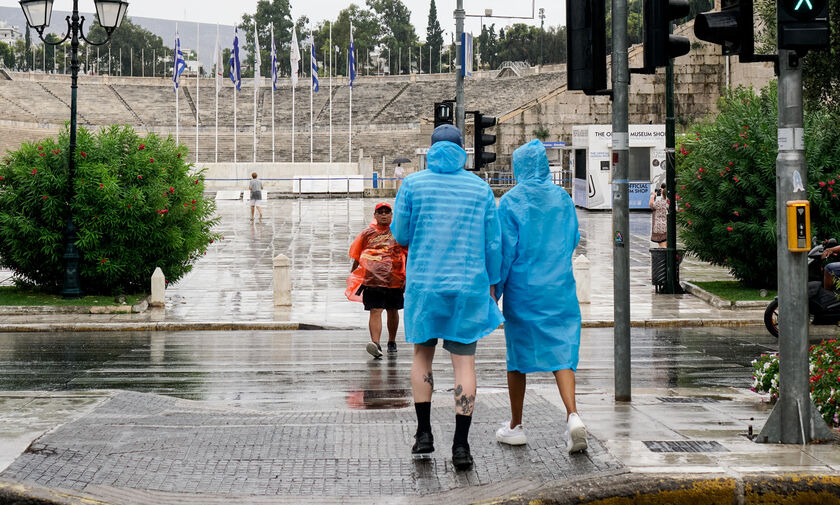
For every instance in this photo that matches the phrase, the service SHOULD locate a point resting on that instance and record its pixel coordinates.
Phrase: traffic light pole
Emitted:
(459, 67)
(620, 204)
(794, 419)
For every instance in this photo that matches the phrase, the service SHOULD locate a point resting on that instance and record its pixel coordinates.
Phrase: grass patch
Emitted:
(12, 295)
(734, 291)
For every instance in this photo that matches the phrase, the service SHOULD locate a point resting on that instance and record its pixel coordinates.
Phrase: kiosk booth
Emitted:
(591, 166)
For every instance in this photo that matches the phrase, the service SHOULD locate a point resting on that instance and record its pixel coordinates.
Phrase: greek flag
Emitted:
(314, 66)
(273, 61)
(352, 59)
(179, 63)
(294, 57)
(235, 69)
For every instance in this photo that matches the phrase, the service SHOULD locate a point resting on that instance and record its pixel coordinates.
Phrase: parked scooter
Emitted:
(823, 305)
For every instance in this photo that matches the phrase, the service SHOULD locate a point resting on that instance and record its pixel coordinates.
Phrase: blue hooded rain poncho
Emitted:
(539, 236)
(447, 218)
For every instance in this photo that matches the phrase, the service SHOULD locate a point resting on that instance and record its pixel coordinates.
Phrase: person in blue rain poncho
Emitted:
(447, 218)
(542, 315)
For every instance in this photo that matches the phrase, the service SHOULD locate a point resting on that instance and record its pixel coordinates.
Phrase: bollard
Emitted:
(282, 280)
(158, 289)
(583, 278)
(375, 182)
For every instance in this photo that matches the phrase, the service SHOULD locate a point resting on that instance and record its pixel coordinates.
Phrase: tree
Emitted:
(279, 13)
(129, 37)
(398, 33)
(488, 45)
(366, 35)
(434, 37)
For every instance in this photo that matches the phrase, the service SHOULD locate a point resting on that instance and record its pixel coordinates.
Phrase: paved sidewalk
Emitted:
(233, 284)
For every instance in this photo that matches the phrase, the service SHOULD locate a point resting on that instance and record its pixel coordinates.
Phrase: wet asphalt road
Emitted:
(315, 370)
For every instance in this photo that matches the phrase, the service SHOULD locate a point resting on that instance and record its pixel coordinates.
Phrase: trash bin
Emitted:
(659, 267)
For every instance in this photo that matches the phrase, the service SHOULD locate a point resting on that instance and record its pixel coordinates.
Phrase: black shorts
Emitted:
(382, 298)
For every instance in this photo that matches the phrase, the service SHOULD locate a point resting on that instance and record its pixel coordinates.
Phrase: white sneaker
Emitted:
(576, 434)
(515, 436)
(374, 350)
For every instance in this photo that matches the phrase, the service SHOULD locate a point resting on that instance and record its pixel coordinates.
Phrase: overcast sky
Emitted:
(229, 12)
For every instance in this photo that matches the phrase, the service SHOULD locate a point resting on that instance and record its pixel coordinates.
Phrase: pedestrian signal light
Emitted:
(798, 225)
(803, 24)
(731, 28)
(660, 45)
(586, 34)
(481, 140)
(443, 112)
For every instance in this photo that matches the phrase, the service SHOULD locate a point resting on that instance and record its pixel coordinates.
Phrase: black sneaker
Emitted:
(424, 444)
(392, 347)
(461, 457)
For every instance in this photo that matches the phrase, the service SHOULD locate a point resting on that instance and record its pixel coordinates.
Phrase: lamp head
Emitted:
(37, 12)
(110, 13)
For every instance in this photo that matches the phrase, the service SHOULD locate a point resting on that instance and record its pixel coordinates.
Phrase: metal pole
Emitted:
(72, 283)
(620, 204)
(671, 277)
(794, 416)
(459, 67)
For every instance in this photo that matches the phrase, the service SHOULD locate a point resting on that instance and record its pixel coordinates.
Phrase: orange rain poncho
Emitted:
(381, 262)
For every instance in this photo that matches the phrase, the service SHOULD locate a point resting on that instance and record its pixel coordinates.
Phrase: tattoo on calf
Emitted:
(429, 380)
(464, 403)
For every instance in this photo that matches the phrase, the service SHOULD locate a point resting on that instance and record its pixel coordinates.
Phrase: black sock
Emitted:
(424, 413)
(462, 430)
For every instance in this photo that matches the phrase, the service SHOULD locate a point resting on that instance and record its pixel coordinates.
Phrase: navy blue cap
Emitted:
(447, 132)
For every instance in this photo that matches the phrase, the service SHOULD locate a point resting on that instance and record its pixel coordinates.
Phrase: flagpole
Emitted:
(273, 70)
(234, 123)
(216, 81)
(174, 69)
(350, 130)
(293, 119)
(331, 95)
(257, 75)
(311, 82)
(197, 72)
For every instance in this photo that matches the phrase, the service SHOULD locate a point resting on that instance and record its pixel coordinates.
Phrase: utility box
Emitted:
(590, 163)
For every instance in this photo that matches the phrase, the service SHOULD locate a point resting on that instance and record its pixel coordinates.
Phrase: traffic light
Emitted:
(443, 112)
(660, 45)
(732, 28)
(586, 34)
(803, 24)
(480, 140)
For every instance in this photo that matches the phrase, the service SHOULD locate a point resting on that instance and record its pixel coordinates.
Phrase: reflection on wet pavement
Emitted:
(330, 369)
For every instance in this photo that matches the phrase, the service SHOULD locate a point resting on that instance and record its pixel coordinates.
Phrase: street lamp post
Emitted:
(38, 13)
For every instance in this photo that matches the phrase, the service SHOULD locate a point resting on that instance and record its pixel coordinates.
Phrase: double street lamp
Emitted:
(38, 14)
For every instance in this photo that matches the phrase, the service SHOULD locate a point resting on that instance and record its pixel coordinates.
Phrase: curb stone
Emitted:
(720, 303)
(15, 310)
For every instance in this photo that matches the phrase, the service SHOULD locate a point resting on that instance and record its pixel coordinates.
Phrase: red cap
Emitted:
(382, 204)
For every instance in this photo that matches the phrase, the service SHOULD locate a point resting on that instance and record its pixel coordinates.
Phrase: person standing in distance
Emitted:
(399, 175)
(539, 299)
(447, 218)
(379, 273)
(255, 187)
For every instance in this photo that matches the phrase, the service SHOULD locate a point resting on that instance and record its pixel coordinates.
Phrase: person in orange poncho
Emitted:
(378, 277)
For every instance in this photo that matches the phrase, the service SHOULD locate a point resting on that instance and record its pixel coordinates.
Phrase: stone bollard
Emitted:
(282, 280)
(158, 289)
(583, 278)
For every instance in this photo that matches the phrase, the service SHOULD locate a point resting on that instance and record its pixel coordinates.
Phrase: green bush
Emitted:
(824, 363)
(726, 176)
(136, 207)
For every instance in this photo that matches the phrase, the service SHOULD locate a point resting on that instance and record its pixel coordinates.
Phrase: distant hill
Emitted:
(164, 28)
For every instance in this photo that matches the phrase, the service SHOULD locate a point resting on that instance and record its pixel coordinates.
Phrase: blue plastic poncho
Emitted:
(539, 236)
(448, 219)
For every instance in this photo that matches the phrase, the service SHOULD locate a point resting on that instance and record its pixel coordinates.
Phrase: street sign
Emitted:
(467, 54)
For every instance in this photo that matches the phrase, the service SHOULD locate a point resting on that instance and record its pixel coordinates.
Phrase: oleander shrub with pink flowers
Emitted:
(137, 206)
(824, 363)
(726, 184)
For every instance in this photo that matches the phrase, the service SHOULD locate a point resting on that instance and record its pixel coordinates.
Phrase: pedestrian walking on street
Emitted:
(542, 315)
(378, 273)
(399, 175)
(659, 219)
(447, 218)
(255, 187)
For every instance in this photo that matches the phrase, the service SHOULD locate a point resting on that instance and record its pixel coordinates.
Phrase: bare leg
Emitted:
(464, 384)
(516, 391)
(566, 384)
(260, 209)
(422, 382)
(393, 324)
(252, 212)
(375, 324)
(828, 280)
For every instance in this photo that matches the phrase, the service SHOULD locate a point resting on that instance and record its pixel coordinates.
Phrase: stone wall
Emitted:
(700, 77)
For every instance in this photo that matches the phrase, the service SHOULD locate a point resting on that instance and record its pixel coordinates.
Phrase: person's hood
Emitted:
(446, 157)
(530, 162)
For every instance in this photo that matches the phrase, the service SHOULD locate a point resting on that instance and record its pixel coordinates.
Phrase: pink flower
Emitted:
(736, 213)
(104, 260)
(729, 228)
(82, 153)
(41, 154)
(822, 184)
(139, 176)
(40, 148)
(141, 147)
(171, 189)
(151, 160)
(34, 171)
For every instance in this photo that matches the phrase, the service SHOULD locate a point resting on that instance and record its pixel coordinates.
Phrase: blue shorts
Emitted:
(456, 348)
(833, 268)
